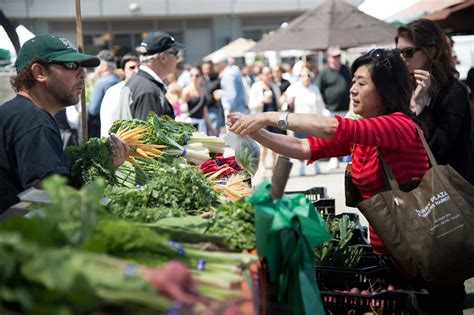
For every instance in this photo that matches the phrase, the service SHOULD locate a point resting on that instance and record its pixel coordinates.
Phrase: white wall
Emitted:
(464, 47)
(110, 8)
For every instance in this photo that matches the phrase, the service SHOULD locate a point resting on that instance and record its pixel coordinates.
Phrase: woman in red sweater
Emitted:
(380, 93)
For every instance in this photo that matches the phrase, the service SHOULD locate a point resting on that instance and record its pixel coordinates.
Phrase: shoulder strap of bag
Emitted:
(387, 172)
(427, 147)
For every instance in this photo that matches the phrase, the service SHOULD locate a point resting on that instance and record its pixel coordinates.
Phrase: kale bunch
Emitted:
(90, 160)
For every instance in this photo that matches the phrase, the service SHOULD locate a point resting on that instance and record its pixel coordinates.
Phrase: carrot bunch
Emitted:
(235, 188)
(139, 148)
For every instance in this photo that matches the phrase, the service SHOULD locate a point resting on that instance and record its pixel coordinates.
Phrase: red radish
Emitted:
(390, 288)
(355, 291)
(365, 292)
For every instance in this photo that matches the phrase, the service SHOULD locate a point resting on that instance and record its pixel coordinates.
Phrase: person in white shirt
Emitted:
(109, 109)
(265, 97)
(304, 97)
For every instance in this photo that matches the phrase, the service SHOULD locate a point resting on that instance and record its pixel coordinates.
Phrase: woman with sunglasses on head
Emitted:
(380, 93)
(439, 101)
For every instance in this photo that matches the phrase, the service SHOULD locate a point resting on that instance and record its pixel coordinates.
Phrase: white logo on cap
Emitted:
(66, 42)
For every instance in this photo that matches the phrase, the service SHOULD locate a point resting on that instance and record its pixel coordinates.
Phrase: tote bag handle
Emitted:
(387, 172)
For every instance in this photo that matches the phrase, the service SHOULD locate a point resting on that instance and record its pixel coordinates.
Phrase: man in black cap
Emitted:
(50, 76)
(145, 92)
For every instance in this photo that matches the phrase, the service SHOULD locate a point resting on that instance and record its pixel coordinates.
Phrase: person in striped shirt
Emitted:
(381, 94)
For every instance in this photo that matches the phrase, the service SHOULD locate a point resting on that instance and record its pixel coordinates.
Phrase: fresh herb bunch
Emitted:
(90, 160)
(171, 191)
(235, 221)
(136, 205)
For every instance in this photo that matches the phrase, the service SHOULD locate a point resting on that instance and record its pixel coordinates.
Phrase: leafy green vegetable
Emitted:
(90, 160)
(149, 135)
(164, 130)
(39, 280)
(235, 221)
(336, 252)
(179, 132)
(248, 160)
(173, 191)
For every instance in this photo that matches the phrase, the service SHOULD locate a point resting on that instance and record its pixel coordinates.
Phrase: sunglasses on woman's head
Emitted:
(379, 55)
(408, 52)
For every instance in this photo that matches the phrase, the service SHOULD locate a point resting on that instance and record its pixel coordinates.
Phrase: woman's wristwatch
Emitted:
(282, 122)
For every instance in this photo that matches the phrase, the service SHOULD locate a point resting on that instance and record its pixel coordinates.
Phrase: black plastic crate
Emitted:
(321, 201)
(313, 194)
(374, 273)
(373, 270)
(389, 302)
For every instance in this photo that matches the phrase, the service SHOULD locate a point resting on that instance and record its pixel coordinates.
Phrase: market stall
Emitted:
(178, 198)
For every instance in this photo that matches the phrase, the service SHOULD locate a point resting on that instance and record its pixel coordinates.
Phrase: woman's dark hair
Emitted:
(429, 37)
(24, 80)
(128, 57)
(391, 79)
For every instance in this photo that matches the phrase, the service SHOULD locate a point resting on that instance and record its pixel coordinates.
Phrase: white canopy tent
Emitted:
(234, 49)
(24, 34)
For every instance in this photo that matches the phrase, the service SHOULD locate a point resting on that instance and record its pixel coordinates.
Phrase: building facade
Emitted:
(202, 25)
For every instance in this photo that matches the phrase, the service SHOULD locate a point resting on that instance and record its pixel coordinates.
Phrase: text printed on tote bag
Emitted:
(440, 198)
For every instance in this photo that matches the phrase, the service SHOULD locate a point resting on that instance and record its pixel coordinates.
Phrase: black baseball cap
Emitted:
(157, 42)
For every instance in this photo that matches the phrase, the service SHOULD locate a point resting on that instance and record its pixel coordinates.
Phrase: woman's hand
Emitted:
(244, 125)
(173, 280)
(120, 150)
(420, 97)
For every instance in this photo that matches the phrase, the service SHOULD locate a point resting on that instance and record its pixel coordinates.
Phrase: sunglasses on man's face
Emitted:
(173, 52)
(408, 52)
(71, 66)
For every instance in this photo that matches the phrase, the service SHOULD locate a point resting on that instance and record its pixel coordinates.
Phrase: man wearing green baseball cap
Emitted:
(50, 76)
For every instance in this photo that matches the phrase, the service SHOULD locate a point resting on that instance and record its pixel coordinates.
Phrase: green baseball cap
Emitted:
(50, 47)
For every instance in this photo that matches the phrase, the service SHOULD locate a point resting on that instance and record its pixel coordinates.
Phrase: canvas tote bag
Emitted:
(429, 230)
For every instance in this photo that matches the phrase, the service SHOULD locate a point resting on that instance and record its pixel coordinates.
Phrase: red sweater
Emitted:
(398, 141)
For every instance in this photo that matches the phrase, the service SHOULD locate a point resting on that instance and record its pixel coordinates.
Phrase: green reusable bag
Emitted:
(429, 230)
(287, 231)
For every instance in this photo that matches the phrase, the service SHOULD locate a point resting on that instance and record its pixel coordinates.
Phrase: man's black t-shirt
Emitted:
(30, 148)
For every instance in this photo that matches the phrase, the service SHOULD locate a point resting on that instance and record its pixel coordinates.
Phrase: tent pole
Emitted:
(80, 48)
